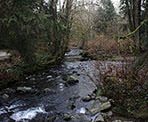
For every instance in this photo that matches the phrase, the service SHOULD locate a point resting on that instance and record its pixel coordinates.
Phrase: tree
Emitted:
(105, 16)
(23, 23)
(136, 11)
(18, 27)
(82, 24)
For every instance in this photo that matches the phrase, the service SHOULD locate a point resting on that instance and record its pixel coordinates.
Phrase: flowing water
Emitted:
(48, 96)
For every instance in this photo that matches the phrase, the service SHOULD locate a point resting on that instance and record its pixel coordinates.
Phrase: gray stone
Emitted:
(48, 90)
(93, 95)
(110, 113)
(49, 76)
(24, 89)
(105, 106)
(5, 96)
(99, 118)
(102, 98)
(97, 106)
(87, 98)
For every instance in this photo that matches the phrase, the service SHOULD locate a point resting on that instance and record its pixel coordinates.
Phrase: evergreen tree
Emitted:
(25, 22)
(105, 16)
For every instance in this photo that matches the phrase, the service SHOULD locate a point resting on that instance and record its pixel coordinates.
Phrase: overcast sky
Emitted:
(116, 4)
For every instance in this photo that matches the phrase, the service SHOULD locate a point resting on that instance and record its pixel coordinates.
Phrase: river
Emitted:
(55, 95)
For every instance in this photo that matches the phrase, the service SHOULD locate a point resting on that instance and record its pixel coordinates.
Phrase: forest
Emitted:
(73, 60)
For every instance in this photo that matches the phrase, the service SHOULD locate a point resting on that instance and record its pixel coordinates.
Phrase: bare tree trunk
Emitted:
(68, 19)
(134, 10)
(137, 6)
(130, 17)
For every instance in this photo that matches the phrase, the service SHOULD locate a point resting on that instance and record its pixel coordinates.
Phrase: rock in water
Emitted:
(105, 106)
(51, 118)
(24, 88)
(5, 96)
(72, 80)
(102, 98)
(97, 106)
(49, 76)
(87, 98)
(99, 118)
(48, 90)
(67, 117)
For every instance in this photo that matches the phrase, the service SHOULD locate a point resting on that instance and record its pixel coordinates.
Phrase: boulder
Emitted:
(97, 106)
(102, 98)
(87, 98)
(99, 118)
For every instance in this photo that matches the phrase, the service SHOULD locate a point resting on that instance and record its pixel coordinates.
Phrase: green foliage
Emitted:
(24, 23)
(18, 26)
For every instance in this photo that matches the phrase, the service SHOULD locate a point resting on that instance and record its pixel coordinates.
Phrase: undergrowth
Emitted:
(127, 89)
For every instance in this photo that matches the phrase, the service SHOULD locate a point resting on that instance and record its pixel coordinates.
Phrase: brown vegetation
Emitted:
(107, 47)
(127, 89)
